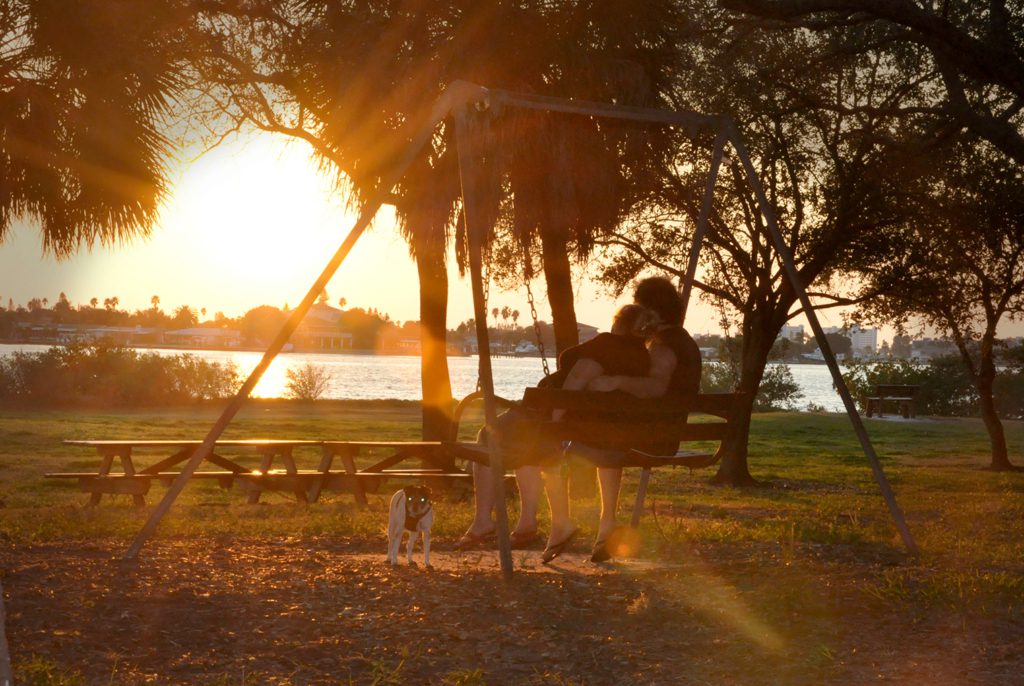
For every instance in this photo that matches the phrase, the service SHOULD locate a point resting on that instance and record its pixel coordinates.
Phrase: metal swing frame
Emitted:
(472, 106)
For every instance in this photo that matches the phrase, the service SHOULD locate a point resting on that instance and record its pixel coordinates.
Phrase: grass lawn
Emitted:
(803, 580)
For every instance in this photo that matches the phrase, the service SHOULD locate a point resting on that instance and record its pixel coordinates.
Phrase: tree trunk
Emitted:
(733, 470)
(986, 403)
(558, 276)
(435, 380)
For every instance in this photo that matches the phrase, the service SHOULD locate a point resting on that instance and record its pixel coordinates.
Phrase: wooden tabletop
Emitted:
(256, 442)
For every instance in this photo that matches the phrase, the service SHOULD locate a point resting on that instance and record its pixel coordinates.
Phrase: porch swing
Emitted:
(472, 107)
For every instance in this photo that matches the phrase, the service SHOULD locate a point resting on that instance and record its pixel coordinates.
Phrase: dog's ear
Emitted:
(426, 491)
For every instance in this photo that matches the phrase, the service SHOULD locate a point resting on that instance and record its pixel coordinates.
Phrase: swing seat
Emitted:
(619, 430)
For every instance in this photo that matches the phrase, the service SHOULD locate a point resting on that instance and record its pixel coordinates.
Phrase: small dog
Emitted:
(411, 511)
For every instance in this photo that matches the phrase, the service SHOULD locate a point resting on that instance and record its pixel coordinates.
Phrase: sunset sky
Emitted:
(252, 223)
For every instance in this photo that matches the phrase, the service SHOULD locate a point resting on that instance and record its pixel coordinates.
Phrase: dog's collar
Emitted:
(411, 522)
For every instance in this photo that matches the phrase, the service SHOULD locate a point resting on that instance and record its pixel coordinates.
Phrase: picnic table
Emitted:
(902, 395)
(436, 458)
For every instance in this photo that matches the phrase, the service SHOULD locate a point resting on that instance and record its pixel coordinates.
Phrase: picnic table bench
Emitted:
(136, 482)
(901, 394)
(306, 484)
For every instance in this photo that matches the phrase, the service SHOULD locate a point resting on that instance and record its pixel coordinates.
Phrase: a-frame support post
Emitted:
(796, 282)
(702, 220)
(418, 135)
(470, 135)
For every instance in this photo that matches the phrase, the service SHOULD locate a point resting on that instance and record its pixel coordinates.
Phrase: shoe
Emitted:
(470, 540)
(600, 552)
(622, 541)
(523, 539)
(553, 551)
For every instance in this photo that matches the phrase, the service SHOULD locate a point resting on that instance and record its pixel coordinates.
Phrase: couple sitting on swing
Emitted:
(648, 354)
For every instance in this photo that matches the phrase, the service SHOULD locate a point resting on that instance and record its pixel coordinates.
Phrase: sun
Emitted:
(250, 211)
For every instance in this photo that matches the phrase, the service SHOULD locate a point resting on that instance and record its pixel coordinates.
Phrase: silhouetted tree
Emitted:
(821, 167)
(968, 56)
(958, 266)
(86, 87)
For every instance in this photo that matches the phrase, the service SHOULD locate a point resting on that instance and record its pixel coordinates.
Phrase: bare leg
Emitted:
(530, 486)
(557, 490)
(610, 479)
(483, 497)
(555, 485)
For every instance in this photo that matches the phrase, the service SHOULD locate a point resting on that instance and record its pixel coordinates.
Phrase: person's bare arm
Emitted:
(655, 384)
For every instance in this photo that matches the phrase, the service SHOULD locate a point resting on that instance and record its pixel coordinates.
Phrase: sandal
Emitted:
(470, 540)
(600, 552)
(556, 549)
(523, 539)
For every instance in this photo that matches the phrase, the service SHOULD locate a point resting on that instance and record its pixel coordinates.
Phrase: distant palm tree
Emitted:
(184, 317)
(85, 87)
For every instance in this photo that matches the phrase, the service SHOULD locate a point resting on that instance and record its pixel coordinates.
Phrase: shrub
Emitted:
(1009, 393)
(307, 382)
(107, 375)
(778, 389)
(945, 388)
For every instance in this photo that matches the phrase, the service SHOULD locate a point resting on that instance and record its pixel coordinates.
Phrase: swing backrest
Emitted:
(620, 420)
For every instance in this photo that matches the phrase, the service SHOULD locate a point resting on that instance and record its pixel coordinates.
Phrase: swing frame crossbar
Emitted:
(472, 107)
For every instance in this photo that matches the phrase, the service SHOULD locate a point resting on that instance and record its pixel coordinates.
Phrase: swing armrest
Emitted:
(475, 396)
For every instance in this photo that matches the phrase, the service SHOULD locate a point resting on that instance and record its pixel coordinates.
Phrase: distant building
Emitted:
(114, 335)
(865, 341)
(792, 333)
(709, 353)
(902, 347)
(930, 348)
(204, 337)
(320, 330)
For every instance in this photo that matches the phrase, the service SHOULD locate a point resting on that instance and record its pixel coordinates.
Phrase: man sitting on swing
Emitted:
(673, 367)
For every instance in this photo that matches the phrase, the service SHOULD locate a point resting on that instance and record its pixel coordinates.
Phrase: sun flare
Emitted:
(247, 208)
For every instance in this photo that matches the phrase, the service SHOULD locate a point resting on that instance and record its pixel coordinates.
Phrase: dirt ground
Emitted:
(317, 611)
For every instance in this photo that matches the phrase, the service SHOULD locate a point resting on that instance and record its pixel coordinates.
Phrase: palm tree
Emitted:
(85, 88)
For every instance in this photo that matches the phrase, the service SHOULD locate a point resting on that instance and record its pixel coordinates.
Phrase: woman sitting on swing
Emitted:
(671, 366)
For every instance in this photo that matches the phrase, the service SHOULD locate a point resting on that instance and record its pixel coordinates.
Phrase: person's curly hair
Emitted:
(657, 293)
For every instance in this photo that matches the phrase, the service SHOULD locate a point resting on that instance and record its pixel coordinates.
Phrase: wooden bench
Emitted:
(136, 482)
(306, 484)
(901, 394)
(612, 429)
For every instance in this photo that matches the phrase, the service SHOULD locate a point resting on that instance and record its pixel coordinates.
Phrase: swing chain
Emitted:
(536, 327)
(487, 298)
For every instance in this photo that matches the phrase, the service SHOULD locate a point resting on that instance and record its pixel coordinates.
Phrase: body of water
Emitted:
(366, 377)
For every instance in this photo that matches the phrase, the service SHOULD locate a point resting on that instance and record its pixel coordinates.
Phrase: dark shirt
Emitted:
(618, 355)
(686, 376)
